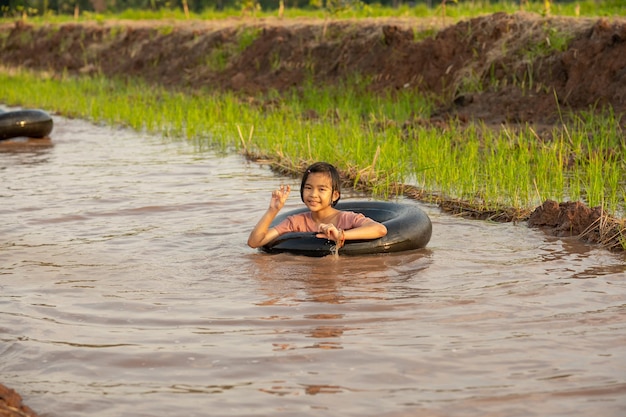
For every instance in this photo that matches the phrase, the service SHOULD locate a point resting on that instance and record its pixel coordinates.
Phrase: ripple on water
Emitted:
(126, 288)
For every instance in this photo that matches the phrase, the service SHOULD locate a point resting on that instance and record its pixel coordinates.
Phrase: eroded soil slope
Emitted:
(518, 62)
(11, 404)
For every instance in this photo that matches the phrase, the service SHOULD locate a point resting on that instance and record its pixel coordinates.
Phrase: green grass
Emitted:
(452, 10)
(373, 138)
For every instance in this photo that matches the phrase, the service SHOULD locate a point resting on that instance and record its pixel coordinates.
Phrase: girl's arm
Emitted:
(262, 234)
(368, 230)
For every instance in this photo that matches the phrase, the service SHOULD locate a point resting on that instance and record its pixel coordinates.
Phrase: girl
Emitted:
(320, 192)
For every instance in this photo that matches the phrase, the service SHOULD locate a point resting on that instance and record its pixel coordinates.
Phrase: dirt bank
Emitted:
(501, 68)
(11, 404)
(518, 62)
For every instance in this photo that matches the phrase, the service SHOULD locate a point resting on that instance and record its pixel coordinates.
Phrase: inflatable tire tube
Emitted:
(25, 123)
(408, 228)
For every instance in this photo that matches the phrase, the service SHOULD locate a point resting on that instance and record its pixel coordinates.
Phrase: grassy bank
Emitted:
(343, 10)
(374, 140)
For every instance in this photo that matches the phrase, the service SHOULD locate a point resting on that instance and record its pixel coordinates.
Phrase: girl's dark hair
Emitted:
(326, 168)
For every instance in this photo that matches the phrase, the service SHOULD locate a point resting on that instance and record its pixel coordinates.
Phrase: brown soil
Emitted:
(11, 404)
(498, 69)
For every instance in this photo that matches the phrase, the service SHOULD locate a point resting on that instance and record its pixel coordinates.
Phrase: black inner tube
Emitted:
(25, 123)
(408, 228)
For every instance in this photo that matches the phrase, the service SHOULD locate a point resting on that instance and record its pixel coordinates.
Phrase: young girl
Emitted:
(320, 192)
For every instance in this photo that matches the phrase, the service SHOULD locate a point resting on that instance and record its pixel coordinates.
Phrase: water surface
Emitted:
(126, 288)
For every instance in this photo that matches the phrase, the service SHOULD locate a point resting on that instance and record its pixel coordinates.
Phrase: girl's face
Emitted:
(318, 191)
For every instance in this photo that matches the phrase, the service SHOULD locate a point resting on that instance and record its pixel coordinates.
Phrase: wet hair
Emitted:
(324, 168)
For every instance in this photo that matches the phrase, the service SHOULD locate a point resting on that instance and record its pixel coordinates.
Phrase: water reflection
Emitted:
(290, 280)
(25, 152)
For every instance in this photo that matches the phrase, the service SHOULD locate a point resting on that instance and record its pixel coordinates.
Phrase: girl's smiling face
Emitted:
(318, 191)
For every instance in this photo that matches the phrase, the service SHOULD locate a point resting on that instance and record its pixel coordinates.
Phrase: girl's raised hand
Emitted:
(279, 197)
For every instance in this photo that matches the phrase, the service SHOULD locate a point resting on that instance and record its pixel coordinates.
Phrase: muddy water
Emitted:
(126, 288)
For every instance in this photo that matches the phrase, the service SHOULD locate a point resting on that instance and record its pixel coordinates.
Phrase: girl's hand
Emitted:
(279, 197)
(330, 232)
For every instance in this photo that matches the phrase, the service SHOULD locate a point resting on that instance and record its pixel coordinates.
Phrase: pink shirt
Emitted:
(303, 222)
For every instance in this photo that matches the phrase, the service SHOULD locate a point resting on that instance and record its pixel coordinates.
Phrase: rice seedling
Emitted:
(374, 140)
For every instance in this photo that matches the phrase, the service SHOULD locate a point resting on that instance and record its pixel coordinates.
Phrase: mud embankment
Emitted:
(524, 71)
(11, 404)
